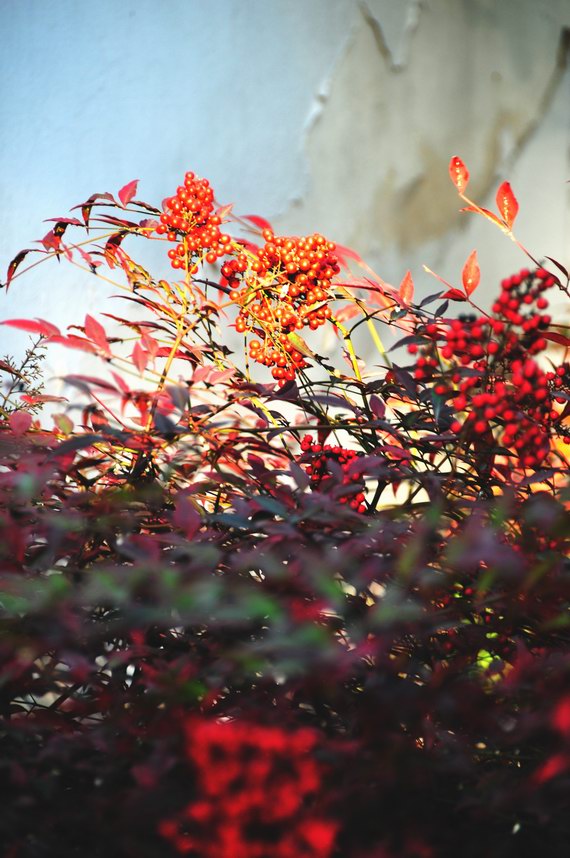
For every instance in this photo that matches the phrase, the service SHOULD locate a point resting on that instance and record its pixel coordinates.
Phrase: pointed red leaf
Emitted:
(92, 263)
(259, 222)
(454, 295)
(127, 192)
(33, 326)
(556, 338)
(88, 205)
(51, 241)
(64, 220)
(377, 407)
(345, 253)
(150, 344)
(41, 397)
(139, 357)
(96, 333)
(459, 174)
(349, 311)
(406, 290)
(486, 213)
(507, 204)
(16, 262)
(471, 274)
(73, 342)
(224, 211)
(559, 266)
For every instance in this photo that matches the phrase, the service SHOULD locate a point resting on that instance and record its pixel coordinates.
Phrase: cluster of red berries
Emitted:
(317, 459)
(287, 288)
(522, 290)
(508, 389)
(278, 351)
(189, 219)
(254, 785)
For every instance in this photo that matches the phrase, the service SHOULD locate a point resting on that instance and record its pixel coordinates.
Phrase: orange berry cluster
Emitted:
(255, 785)
(189, 215)
(318, 458)
(508, 390)
(287, 288)
(278, 352)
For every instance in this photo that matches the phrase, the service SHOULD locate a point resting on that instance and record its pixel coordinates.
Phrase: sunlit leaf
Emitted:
(459, 174)
(486, 213)
(507, 204)
(406, 290)
(471, 274)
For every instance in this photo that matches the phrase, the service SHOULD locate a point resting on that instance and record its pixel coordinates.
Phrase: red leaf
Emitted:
(92, 263)
(139, 358)
(112, 248)
(88, 205)
(121, 383)
(349, 311)
(558, 265)
(471, 274)
(5, 367)
(150, 344)
(486, 213)
(260, 222)
(41, 397)
(459, 174)
(16, 262)
(127, 192)
(507, 204)
(406, 290)
(51, 241)
(345, 253)
(556, 338)
(64, 220)
(377, 407)
(20, 422)
(454, 295)
(33, 326)
(224, 211)
(96, 333)
(186, 516)
(554, 766)
(73, 342)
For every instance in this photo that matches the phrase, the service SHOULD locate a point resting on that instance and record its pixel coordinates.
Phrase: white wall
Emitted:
(330, 115)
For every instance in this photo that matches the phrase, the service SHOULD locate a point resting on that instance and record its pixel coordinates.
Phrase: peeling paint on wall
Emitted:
(411, 88)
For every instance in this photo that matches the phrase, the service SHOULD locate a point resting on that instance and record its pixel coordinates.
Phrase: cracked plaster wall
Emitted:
(330, 115)
(416, 83)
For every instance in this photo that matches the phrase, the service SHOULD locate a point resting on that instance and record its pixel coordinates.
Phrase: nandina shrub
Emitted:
(255, 605)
